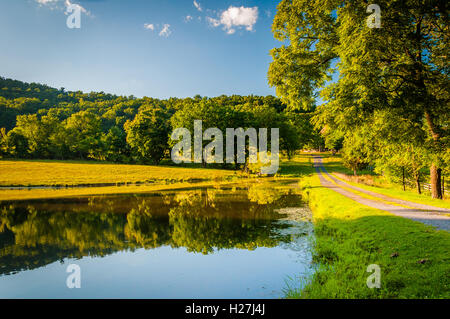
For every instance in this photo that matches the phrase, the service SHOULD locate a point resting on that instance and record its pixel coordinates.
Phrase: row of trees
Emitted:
(47, 123)
(389, 103)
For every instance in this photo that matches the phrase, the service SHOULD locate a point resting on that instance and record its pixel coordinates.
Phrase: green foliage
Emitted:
(399, 73)
(16, 145)
(115, 147)
(46, 123)
(148, 134)
(83, 131)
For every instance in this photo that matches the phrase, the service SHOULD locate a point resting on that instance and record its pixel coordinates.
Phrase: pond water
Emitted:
(236, 241)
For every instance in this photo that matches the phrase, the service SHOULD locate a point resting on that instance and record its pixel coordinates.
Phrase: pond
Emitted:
(234, 241)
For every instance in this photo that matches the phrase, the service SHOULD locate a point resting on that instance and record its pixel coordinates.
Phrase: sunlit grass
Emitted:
(51, 173)
(106, 178)
(26, 194)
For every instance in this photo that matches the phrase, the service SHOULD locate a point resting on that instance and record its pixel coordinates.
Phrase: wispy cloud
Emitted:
(55, 4)
(165, 31)
(149, 26)
(67, 3)
(198, 6)
(213, 22)
(46, 1)
(51, 4)
(235, 18)
(188, 18)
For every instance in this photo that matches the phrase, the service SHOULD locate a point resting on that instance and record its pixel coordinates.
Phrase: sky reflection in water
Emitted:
(229, 242)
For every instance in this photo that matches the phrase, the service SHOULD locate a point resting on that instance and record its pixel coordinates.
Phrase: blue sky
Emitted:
(123, 48)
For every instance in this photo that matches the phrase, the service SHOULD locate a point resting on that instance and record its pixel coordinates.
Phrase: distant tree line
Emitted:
(40, 122)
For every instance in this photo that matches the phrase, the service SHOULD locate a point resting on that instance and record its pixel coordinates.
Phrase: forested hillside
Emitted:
(41, 122)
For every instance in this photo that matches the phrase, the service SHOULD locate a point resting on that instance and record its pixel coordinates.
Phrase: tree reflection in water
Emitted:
(36, 233)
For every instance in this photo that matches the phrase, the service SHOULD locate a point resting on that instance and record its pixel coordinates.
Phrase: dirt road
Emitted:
(431, 215)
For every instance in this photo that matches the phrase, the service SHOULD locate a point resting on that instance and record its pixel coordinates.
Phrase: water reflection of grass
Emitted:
(27, 194)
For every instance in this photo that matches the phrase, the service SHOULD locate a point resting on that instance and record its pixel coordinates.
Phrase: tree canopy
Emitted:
(398, 72)
(41, 122)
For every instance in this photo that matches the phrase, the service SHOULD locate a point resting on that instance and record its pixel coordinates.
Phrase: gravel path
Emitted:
(426, 214)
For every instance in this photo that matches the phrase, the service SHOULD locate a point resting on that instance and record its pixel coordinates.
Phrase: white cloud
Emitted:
(45, 1)
(236, 17)
(165, 31)
(188, 18)
(213, 22)
(149, 26)
(198, 6)
(68, 4)
(55, 4)
(51, 4)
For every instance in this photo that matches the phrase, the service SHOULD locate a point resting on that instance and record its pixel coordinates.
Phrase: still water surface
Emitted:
(241, 241)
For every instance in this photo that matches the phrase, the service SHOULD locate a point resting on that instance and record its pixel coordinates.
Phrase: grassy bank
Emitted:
(413, 257)
(27, 194)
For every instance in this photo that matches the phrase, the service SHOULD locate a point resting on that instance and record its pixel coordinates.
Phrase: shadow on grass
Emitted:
(299, 166)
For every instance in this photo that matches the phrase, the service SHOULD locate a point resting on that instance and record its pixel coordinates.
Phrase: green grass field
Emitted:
(103, 178)
(100, 177)
(59, 173)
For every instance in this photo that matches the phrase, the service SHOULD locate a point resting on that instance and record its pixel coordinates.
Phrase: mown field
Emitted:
(52, 179)
(74, 173)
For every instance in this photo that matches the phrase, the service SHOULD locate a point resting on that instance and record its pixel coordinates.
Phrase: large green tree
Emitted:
(148, 134)
(83, 132)
(402, 66)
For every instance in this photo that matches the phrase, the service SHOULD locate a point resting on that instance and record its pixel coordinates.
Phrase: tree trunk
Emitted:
(435, 172)
(435, 179)
(403, 178)
(443, 187)
(419, 191)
